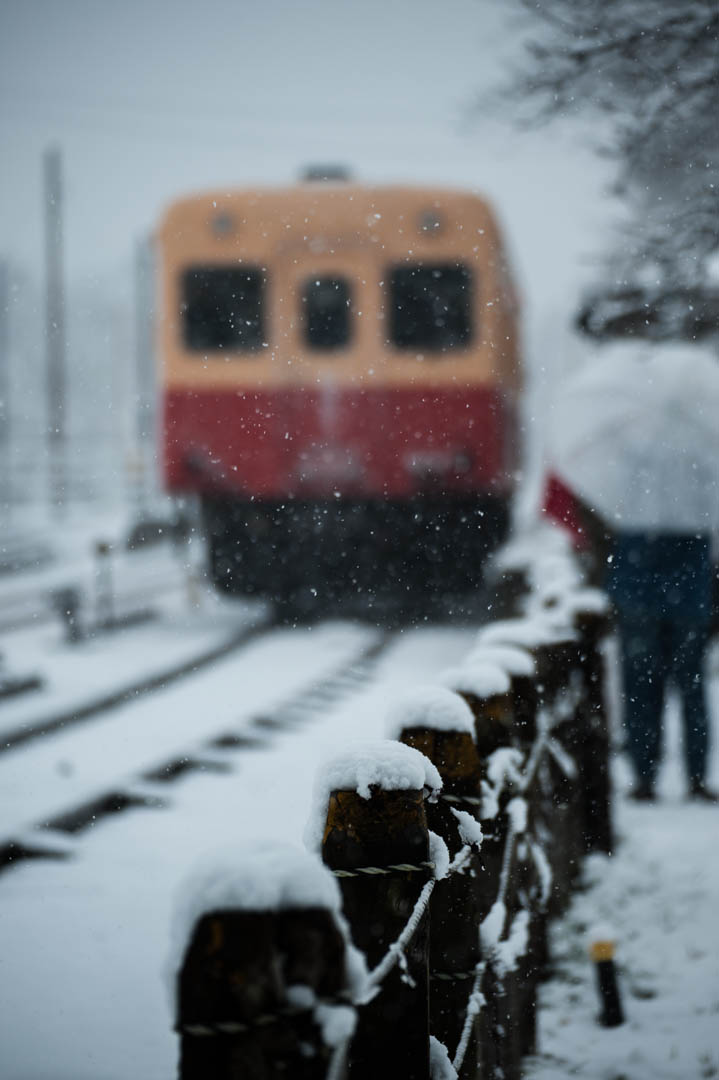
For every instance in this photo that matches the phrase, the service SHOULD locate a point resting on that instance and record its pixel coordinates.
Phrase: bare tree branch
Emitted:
(651, 69)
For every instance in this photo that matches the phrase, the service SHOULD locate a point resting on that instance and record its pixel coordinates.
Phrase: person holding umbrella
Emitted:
(635, 438)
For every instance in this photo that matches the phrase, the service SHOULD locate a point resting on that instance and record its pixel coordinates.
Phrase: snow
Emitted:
(517, 814)
(656, 899)
(601, 933)
(83, 941)
(382, 763)
(544, 871)
(528, 631)
(571, 602)
(263, 877)
(337, 1023)
(507, 953)
(114, 900)
(556, 572)
(438, 855)
(76, 675)
(430, 707)
(514, 659)
(396, 952)
(542, 541)
(38, 780)
(257, 878)
(492, 926)
(504, 766)
(483, 680)
(635, 396)
(563, 759)
(490, 801)
(656, 893)
(470, 830)
(440, 1067)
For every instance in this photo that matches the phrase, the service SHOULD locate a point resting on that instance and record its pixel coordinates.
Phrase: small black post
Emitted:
(103, 579)
(602, 953)
(67, 603)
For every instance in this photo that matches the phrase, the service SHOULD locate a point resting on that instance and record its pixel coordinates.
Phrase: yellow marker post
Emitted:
(601, 951)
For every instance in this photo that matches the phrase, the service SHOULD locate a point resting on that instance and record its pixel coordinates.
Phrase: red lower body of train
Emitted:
(342, 487)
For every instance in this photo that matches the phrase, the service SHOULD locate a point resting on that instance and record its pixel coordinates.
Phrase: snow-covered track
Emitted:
(149, 782)
(36, 605)
(119, 696)
(22, 551)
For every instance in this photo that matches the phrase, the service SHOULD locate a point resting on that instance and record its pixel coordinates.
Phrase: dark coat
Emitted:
(662, 575)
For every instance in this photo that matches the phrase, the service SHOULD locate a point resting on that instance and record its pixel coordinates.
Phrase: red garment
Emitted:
(560, 504)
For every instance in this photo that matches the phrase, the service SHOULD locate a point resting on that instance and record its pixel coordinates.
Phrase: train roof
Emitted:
(335, 205)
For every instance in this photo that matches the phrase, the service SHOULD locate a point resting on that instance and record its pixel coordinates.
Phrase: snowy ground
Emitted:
(84, 942)
(659, 894)
(183, 626)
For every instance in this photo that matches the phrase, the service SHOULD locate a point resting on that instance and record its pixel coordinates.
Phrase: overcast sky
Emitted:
(150, 99)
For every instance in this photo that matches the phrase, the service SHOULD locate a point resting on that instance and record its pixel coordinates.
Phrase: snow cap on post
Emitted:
(432, 708)
(543, 540)
(378, 763)
(582, 601)
(481, 680)
(238, 953)
(554, 571)
(516, 660)
(529, 632)
(260, 877)
(555, 609)
(369, 817)
(523, 552)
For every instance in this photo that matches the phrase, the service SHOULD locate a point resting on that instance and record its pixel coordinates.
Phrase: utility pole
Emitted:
(55, 328)
(5, 443)
(144, 433)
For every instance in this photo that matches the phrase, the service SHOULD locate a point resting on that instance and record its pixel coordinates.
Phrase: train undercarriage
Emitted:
(338, 548)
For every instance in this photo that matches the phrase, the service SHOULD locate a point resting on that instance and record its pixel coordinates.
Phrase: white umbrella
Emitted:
(636, 435)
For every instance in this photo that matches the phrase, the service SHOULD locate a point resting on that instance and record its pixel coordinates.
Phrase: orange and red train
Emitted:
(340, 373)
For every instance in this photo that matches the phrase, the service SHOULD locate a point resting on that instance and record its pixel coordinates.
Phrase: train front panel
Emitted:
(341, 355)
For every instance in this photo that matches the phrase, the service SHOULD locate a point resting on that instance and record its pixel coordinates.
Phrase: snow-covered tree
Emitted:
(647, 71)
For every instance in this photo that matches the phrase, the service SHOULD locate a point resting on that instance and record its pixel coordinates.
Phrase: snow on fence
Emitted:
(440, 854)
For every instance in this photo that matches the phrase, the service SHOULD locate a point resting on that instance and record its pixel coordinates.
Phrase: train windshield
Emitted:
(222, 308)
(326, 308)
(430, 306)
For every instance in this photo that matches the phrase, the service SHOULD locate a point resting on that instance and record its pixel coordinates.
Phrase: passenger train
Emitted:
(340, 374)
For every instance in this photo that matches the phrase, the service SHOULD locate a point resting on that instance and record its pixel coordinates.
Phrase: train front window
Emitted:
(326, 312)
(430, 306)
(222, 308)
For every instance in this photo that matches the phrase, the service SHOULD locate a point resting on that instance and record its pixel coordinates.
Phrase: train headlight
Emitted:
(223, 223)
(462, 462)
(430, 221)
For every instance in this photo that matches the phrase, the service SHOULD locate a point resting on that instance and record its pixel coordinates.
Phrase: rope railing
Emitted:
(447, 849)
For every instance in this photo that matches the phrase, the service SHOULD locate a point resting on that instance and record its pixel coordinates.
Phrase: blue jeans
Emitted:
(655, 650)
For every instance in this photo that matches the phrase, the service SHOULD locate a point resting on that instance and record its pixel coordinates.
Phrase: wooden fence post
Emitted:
(376, 840)
(251, 980)
(258, 984)
(560, 696)
(594, 765)
(487, 690)
(553, 644)
(521, 667)
(555, 590)
(439, 723)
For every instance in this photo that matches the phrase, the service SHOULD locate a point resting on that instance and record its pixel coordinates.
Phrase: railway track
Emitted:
(102, 703)
(149, 784)
(31, 606)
